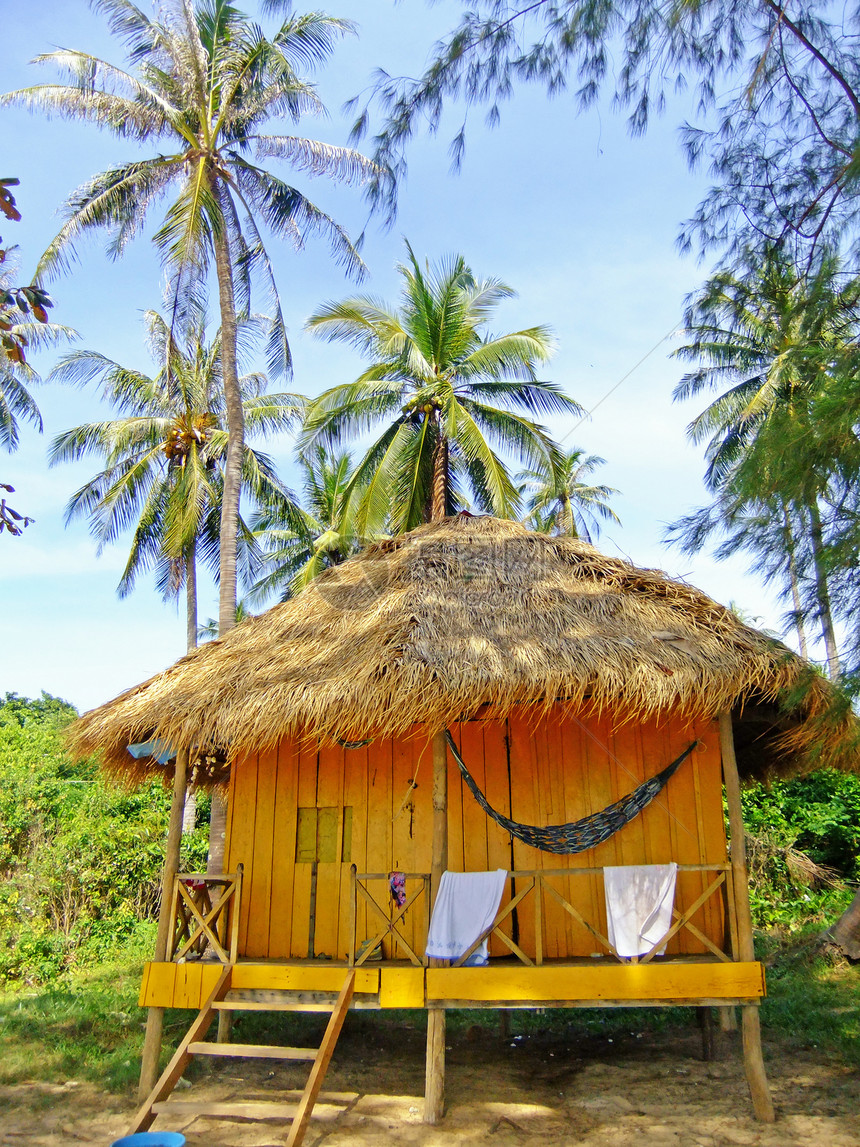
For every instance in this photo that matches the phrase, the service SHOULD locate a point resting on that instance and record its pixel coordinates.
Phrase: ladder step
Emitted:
(255, 1111)
(300, 995)
(259, 1006)
(253, 1051)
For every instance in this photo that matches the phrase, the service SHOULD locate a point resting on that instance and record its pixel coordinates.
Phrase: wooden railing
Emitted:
(391, 918)
(205, 916)
(538, 884)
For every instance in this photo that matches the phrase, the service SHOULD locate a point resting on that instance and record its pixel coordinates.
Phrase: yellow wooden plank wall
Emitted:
(577, 767)
(540, 769)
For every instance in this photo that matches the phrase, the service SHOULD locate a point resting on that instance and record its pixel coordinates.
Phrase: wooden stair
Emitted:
(194, 1043)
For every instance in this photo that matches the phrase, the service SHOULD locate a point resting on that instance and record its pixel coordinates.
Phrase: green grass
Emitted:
(813, 1005)
(85, 1026)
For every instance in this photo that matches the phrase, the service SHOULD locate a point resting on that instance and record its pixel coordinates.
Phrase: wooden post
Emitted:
(155, 1016)
(753, 1061)
(434, 1088)
(728, 1019)
(706, 1026)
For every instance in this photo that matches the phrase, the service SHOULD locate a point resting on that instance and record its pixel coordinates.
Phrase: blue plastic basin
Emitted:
(151, 1139)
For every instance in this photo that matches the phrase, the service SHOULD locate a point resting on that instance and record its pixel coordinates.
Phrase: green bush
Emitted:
(80, 862)
(803, 849)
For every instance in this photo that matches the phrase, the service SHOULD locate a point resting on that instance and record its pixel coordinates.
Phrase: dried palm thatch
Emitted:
(432, 625)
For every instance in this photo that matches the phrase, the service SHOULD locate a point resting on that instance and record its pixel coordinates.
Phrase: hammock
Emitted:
(578, 835)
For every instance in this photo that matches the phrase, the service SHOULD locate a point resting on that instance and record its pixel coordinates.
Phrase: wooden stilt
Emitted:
(728, 1019)
(434, 1089)
(151, 1052)
(155, 1018)
(706, 1026)
(225, 1026)
(753, 1061)
(434, 1086)
(754, 1066)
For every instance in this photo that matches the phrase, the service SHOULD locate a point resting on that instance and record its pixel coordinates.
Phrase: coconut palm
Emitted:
(164, 457)
(325, 535)
(782, 341)
(204, 81)
(560, 500)
(444, 388)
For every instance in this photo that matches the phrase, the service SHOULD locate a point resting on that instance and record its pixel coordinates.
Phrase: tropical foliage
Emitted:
(16, 305)
(782, 468)
(21, 327)
(447, 392)
(23, 322)
(561, 500)
(205, 82)
(164, 456)
(326, 532)
(803, 848)
(777, 84)
(80, 864)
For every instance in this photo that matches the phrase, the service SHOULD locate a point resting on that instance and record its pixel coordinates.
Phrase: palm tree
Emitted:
(561, 501)
(204, 81)
(444, 389)
(781, 340)
(164, 457)
(325, 534)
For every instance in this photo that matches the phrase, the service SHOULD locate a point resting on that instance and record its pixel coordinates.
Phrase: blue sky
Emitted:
(569, 210)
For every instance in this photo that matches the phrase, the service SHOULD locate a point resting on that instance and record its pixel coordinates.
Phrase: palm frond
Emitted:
(291, 215)
(116, 199)
(342, 164)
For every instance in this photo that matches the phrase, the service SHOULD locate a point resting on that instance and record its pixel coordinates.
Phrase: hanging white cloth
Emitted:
(639, 901)
(466, 904)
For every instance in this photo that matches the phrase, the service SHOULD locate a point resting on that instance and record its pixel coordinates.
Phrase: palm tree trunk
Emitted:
(821, 591)
(232, 484)
(568, 523)
(191, 597)
(189, 816)
(439, 491)
(794, 582)
(235, 428)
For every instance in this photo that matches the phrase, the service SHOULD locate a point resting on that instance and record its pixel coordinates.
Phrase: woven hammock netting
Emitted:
(577, 835)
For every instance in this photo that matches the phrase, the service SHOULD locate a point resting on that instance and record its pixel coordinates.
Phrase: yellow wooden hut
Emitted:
(469, 697)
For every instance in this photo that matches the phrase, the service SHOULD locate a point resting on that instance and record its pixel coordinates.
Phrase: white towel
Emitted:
(466, 904)
(639, 901)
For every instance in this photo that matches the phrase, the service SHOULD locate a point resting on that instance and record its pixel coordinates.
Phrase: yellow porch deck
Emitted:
(503, 984)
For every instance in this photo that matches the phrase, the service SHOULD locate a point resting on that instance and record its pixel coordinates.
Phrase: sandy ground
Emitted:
(647, 1090)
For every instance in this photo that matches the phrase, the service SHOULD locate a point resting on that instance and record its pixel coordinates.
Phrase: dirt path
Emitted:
(649, 1090)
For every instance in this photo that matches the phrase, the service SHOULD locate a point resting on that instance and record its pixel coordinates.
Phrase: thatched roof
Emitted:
(463, 613)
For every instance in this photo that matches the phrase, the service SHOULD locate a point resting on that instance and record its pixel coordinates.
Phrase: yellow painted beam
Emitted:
(167, 985)
(185, 985)
(402, 988)
(615, 982)
(302, 977)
